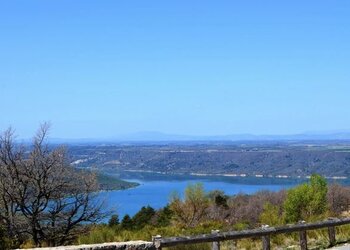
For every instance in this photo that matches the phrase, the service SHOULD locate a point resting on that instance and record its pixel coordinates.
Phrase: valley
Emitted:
(260, 159)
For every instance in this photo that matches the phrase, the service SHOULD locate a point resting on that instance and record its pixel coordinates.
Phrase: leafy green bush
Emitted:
(307, 201)
(271, 215)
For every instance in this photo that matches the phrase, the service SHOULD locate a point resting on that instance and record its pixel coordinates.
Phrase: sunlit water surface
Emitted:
(155, 190)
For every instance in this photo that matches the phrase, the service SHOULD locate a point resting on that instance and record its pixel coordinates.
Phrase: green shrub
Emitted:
(271, 215)
(307, 201)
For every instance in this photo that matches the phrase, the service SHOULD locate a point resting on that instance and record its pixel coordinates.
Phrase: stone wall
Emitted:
(130, 245)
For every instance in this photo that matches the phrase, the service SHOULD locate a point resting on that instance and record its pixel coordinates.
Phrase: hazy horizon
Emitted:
(154, 136)
(111, 68)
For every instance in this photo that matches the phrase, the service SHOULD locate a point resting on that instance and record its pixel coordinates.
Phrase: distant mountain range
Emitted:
(150, 136)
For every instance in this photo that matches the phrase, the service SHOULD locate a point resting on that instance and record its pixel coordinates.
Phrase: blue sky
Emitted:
(105, 68)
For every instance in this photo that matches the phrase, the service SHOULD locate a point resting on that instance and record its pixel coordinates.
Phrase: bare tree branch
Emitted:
(41, 195)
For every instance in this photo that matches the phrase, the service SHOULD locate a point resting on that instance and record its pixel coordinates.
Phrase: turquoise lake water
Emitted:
(155, 190)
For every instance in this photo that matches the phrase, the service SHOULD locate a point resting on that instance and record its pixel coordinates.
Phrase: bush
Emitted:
(307, 201)
(271, 215)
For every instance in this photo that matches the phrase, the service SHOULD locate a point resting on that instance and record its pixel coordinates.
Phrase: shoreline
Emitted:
(279, 176)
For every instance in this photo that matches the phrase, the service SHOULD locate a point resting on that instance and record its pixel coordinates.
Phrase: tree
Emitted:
(307, 201)
(42, 197)
(219, 198)
(114, 220)
(143, 217)
(248, 208)
(193, 208)
(127, 222)
(163, 216)
(338, 199)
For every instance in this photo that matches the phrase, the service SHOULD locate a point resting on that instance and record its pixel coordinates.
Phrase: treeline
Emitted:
(199, 212)
(311, 201)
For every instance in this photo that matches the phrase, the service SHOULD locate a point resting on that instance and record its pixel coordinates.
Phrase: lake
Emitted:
(155, 189)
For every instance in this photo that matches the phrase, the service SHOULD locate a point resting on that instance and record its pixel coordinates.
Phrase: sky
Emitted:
(99, 69)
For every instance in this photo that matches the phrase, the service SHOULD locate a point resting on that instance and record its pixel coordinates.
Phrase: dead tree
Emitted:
(42, 197)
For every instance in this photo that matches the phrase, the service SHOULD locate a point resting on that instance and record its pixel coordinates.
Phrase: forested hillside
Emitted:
(302, 159)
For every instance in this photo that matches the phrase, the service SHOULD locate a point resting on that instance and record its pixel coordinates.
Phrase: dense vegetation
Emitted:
(108, 182)
(200, 212)
(301, 159)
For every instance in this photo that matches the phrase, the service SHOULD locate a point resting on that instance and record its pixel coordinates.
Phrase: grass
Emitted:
(317, 239)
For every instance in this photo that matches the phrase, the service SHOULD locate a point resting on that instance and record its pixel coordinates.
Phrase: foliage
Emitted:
(199, 212)
(247, 208)
(114, 220)
(143, 217)
(139, 220)
(108, 182)
(103, 233)
(219, 198)
(192, 209)
(240, 226)
(127, 223)
(164, 216)
(268, 207)
(307, 201)
(271, 215)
